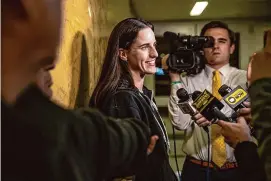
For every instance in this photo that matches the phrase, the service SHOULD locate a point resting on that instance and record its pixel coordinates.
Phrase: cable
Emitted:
(208, 157)
(175, 152)
(206, 129)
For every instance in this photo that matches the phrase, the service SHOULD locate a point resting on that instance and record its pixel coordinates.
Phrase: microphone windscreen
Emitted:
(195, 95)
(224, 90)
(182, 95)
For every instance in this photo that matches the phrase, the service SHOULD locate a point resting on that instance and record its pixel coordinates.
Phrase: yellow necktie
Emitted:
(219, 155)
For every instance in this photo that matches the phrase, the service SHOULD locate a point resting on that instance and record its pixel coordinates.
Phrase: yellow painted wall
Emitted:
(81, 51)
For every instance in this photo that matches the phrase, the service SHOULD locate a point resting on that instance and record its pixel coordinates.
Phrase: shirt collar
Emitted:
(223, 70)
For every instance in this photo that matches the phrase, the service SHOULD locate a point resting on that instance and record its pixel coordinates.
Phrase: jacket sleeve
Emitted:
(85, 144)
(260, 94)
(180, 120)
(249, 164)
(121, 144)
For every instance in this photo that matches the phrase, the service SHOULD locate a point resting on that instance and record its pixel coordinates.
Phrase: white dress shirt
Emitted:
(195, 138)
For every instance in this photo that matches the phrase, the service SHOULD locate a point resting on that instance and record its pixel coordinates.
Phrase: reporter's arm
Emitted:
(85, 143)
(260, 94)
(238, 136)
(249, 163)
(122, 143)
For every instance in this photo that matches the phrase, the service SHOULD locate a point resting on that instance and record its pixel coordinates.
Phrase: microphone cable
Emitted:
(208, 156)
(175, 152)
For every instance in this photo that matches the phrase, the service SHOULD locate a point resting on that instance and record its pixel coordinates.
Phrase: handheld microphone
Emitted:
(195, 95)
(185, 102)
(234, 98)
(209, 106)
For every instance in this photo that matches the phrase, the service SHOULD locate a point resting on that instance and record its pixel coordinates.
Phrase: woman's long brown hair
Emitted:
(122, 36)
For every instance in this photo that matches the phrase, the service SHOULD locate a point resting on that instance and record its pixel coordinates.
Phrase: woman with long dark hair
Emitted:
(120, 93)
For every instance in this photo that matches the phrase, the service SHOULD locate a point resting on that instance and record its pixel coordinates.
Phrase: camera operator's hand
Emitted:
(235, 133)
(174, 76)
(164, 62)
(200, 120)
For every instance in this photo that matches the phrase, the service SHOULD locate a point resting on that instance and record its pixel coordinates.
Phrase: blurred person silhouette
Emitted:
(254, 161)
(41, 140)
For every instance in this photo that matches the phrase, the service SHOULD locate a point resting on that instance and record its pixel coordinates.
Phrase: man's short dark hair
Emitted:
(218, 24)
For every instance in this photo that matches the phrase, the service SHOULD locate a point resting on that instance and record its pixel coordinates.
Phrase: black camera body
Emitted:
(186, 52)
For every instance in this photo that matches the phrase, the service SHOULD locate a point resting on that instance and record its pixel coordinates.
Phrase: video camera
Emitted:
(186, 53)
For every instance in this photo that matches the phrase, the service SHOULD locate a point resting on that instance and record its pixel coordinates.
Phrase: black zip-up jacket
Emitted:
(129, 102)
